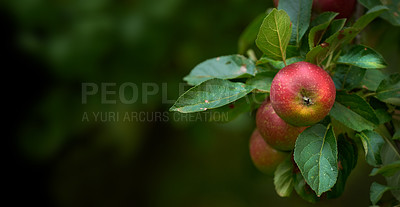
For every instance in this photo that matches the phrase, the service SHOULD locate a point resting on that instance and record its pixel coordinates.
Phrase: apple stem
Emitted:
(307, 101)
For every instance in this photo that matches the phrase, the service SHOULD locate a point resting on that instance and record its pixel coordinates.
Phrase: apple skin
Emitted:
(275, 131)
(345, 8)
(276, 2)
(302, 94)
(264, 157)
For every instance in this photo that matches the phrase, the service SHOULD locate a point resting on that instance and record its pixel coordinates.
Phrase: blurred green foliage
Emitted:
(174, 163)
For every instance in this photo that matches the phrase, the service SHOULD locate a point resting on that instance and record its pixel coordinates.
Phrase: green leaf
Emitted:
(389, 90)
(363, 57)
(372, 79)
(392, 15)
(304, 190)
(292, 51)
(364, 20)
(319, 53)
(210, 94)
(261, 82)
(396, 135)
(376, 192)
(381, 110)
(335, 26)
(274, 35)
(372, 143)
(316, 156)
(283, 178)
(387, 170)
(353, 112)
(276, 63)
(320, 25)
(347, 161)
(225, 67)
(383, 116)
(231, 111)
(389, 156)
(265, 68)
(249, 35)
(304, 48)
(300, 14)
(347, 77)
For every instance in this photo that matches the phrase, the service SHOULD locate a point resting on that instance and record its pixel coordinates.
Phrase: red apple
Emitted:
(302, 94)
(276, 2)
(276, 132)
(345, 8)
(264, 157)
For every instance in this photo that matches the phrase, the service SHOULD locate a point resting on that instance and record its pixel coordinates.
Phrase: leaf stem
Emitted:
(383, 131)
(328, 63)
(369, 94)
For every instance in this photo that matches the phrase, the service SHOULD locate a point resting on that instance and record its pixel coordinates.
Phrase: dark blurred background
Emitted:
(51, 47)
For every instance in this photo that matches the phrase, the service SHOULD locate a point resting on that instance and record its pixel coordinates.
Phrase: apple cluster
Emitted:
(301, 95)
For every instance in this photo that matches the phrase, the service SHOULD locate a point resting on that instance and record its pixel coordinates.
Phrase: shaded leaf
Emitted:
(316, 156)
(364, 20)
(320, 25)
(389, 90)
(319, 53)
(210, 94)
(304, 190)
(389, 156)
(392, 15)
(363, 57)
(274, 35)
(292, 51)
(278, 64)
(347, 161)
(225, 67)
(387, 170)
(336, 26)
(372, 143)
(300, 14)
(381, 110)
(283, 178)
(261, 82)
(383, 116)
(353, 112)
(396, 135)
(233, 110)
(372, 79)
(347, 76)
(376, 192)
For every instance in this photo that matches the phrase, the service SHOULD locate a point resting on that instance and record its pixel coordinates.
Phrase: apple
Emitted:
(276, 132)
(276, 2)
(264, 157)
(345, 8)
(302, 94)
